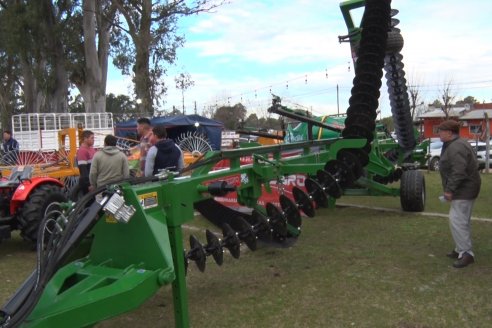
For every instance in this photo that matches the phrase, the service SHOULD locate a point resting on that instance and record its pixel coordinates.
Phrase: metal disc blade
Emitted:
(277, 220)
(303, 201)
(316, 192)
(231, 241)
(329, 184)
(214, 247)
(197, 253)
(291, 211)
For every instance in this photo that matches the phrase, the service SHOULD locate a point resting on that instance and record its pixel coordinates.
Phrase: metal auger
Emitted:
(352, 161)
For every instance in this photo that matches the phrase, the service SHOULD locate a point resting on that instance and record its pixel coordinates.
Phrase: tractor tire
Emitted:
(412, 191)
(33, 210)
(76, 193)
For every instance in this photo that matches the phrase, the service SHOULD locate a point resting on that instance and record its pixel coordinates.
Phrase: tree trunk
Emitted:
(33, 96)
(94, 102)
(142, 80)
(57, 94)
(7, 95)
(93, 88)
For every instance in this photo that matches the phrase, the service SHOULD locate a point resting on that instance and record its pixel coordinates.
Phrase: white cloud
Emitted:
(256, 32)
(248, 47)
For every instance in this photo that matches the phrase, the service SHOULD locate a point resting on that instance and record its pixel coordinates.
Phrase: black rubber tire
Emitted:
(412, 191)
(434, 164)
(75, 193)
(32, 212)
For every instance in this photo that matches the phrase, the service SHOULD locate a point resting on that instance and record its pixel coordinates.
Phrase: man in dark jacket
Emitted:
(461, 184)
(84, 159)
(9, 143)
(10, 147)
(164, 154)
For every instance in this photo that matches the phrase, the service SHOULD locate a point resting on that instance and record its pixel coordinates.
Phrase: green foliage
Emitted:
(252, 121)
(470, 100)
(437, 103)
(149, 45)
(262, 123)
(77, 105)
(230, 115)
(388, 123)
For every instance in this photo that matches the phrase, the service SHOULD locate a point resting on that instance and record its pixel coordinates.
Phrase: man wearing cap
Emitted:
(458, 166)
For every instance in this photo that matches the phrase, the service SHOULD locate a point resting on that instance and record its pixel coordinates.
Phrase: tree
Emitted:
(230, 115)
(90, 55)
(149, 40)
(9, 81)
(436, 103)
(209, 111)
(9, 88)
(415, 97)
(272, 123)
(32, 32)
(388, 123)
(183, 83)
(447, 96)
(467, 100)
(252, 121)
(122, 107)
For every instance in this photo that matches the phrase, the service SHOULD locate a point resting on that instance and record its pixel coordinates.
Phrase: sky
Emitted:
(247, 50)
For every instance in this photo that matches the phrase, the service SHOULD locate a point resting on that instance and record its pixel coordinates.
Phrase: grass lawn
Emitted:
(351, 267)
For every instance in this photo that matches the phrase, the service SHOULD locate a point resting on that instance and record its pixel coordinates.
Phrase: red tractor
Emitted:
(24, 200)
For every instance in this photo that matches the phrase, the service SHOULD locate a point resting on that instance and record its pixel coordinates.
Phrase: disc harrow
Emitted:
(136, 228)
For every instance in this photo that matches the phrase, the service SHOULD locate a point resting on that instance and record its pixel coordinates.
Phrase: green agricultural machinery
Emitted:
(118, 245)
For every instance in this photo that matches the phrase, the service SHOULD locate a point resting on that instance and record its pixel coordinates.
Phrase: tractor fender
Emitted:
(24, 190)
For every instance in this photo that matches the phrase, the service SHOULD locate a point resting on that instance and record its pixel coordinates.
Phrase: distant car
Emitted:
(434, 155)
(481, 150)
(436, 147)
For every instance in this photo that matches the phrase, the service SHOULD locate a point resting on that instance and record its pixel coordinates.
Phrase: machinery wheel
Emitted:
(75, 193)
(69, 183)
(33, 210)
(194, 142)
(434, 164)
(412, 191)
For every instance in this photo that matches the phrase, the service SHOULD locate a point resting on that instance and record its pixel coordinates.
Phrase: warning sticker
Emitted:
(110, 219)
(148, 200)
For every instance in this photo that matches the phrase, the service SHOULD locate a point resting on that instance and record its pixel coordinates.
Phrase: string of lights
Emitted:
(290, 89)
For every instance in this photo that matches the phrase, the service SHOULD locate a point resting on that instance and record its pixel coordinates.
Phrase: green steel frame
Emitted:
(128, 263)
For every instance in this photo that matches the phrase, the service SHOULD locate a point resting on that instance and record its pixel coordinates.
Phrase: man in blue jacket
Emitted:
(165, 154)
(9, 143)
(10, 147)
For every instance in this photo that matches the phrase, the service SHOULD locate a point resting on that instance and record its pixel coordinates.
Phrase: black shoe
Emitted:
(453, 255)
(464, 261)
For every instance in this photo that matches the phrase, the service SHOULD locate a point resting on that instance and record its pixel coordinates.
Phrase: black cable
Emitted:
(80, 221)
(23, 302)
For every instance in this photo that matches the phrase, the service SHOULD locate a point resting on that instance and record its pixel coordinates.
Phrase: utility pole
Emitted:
(195, 108)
